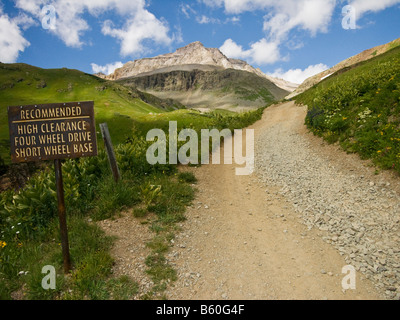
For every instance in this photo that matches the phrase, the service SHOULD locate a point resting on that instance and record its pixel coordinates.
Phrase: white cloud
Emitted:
(234, 19)
(69, 25)
(280, 19)
(261, 52)
(364, 6)
(312, 15)
(232, 50)
(177, 37)
(12, 41)
(297, 75)
(264, 52)
(31, 6)
(206, 20)
(283, 16)
(24, 21)
(140, 25)
(187, 10)
(108, 68)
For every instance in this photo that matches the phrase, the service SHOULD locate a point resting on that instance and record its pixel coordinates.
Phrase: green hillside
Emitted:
(21, 84)
(208, 87)
(123, 108)
(359, 108)
(156, 194)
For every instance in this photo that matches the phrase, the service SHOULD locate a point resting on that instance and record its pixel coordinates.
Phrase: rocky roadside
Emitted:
(244, 238)
(359, 212)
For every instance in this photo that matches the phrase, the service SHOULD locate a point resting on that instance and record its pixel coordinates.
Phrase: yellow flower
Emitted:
(379, 151)
(2, 244)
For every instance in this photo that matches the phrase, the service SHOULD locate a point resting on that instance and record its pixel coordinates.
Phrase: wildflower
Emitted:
(2, 244)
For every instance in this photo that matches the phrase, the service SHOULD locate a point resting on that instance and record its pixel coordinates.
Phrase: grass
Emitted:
(359, 108)
(29, 223)
(29, 236)
(22, 84)
(187, 177)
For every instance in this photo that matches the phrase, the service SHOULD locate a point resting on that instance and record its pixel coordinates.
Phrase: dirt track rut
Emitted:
(244, 239)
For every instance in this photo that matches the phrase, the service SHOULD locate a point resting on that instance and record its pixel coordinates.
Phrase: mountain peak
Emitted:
(191, 48)
(194, 53)
(195, 44)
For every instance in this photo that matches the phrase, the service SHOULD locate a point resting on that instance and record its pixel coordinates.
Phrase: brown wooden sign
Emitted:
(52, 131)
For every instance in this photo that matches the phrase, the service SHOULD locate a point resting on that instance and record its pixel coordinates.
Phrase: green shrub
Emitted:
(112, 197)
(139, 212)
(187, 177)
(360, 108)
(131, 158)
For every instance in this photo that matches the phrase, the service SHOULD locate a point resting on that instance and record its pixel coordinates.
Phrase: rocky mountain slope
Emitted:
(192, 54)
(208, 87)
(363, 56)
(202, 78)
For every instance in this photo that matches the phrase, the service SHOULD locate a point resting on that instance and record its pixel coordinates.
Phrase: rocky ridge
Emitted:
(363, 56)
(192, 54)
(208, 87)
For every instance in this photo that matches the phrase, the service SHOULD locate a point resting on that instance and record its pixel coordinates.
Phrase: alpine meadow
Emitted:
(199, 154)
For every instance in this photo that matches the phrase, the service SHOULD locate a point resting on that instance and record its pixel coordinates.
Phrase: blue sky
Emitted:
(292, 39)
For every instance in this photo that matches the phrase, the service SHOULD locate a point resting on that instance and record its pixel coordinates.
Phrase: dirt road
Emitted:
(284, 232)
(244, 240)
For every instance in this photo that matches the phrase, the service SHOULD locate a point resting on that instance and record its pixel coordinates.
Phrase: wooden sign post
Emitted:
(62, 216)
(53, 132)
(110, 151)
